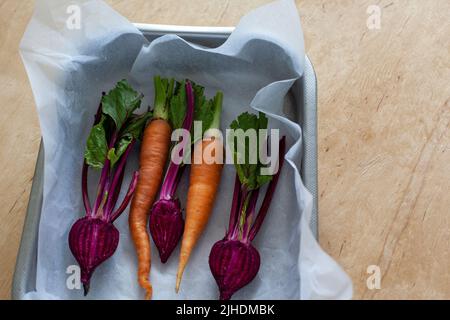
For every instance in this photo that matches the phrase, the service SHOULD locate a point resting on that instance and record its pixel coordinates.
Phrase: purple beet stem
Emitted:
(84, 188)
(115, 196)
(250, 213)
(104, 178)
(251, 228)
(115, 187)
(174, 172)
(234, 231)
(84, 177)
(127, 198)
(234, 213)
(269, 193)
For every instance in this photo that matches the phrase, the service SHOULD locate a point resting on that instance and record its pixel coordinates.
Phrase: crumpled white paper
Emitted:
(69, 67)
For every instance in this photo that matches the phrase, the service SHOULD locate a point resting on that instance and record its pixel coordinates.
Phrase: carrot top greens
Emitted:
(208, 111)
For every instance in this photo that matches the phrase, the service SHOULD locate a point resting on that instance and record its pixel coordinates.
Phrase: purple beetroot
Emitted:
(234, 261)
(166, 226)
(93, 239)
(166, 221)
(234, 264)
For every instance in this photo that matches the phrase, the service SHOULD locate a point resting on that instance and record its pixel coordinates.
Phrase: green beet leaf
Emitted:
(120, 103)
(249, 174)
(136, 124)
(115, 153)
(117, 122)
(97, 146)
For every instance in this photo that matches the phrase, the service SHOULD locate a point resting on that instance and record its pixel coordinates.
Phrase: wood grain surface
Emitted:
(384, 115)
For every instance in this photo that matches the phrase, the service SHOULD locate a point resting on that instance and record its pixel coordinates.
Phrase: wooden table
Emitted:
(384, 115)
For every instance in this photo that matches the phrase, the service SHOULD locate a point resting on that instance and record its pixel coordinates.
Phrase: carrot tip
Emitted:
(149, 294)
(177, 286)
(148, 290)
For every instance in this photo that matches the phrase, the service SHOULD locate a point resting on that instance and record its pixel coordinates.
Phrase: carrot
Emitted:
(203, 185)
(154, 154)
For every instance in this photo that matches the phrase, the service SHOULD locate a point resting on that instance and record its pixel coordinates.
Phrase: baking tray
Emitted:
(303, 93)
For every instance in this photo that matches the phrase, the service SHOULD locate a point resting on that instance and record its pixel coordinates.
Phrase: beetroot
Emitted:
(234, 264)
(166, 221)
(234, 261)
(166, 226)
(93, 239)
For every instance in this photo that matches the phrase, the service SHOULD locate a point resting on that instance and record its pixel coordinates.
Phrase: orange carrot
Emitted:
(154, 154)
(203, 186)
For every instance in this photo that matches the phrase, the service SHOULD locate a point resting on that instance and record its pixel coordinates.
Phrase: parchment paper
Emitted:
(69, 68)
